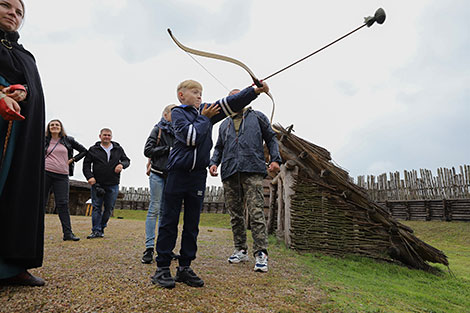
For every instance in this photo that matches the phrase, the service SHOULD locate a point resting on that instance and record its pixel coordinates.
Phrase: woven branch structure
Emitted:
(317, 207)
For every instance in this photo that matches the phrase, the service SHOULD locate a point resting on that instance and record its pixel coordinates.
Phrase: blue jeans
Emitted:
(157, 183)
(100, 217)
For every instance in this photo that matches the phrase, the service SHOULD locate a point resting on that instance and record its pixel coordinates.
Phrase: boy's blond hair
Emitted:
(187, 84)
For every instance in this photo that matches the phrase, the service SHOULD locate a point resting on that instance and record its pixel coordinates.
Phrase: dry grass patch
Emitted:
(105, 275)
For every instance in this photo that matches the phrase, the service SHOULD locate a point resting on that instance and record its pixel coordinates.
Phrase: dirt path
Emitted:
(105, 275)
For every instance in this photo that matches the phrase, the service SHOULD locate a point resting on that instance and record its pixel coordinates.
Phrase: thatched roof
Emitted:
(333, 215)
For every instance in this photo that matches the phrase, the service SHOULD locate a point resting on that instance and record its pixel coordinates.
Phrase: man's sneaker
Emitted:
(148, 256)
(101, 234)
(238, 256)
(95, 234)
(163, 278)
(261, 264)
(186, 275)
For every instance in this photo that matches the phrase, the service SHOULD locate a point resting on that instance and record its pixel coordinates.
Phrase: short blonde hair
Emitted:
(168, 108)
(188, 84)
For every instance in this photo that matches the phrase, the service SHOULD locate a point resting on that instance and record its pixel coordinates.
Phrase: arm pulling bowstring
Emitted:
(256, 81)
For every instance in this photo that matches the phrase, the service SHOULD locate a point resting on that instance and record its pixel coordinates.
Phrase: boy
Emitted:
(187, 163)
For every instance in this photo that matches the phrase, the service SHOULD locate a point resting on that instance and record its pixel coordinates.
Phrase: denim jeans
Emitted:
(100, 217)
(157, 183)
(59, 183)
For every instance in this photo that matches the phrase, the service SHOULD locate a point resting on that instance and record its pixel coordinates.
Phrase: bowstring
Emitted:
(223, 85)
(208, 72)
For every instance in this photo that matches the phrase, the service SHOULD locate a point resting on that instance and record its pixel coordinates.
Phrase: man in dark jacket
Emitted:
(240, 150)
(102, 168)
(157, 149)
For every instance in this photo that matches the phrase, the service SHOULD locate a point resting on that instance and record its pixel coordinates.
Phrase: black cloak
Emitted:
(22, 198)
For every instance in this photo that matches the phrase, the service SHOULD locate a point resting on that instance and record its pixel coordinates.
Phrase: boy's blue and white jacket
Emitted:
(193, 131)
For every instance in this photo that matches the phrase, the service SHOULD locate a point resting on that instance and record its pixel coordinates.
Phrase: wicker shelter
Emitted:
(78, 196)
(315, 206)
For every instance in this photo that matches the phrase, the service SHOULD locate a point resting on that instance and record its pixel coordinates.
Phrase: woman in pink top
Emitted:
(59, 164)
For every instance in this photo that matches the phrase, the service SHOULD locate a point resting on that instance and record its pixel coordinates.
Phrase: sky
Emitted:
(388, 98)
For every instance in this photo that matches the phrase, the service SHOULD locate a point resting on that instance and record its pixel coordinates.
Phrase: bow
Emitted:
(256, 81)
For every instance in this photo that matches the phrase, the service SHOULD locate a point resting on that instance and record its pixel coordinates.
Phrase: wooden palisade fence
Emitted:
(448, 184)
(139, 198)
(425, 197)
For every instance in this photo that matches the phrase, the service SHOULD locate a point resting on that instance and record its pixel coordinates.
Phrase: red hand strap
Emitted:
(13, 88)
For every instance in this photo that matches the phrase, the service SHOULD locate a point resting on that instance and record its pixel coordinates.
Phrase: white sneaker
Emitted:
(238, 256)
(261, 264)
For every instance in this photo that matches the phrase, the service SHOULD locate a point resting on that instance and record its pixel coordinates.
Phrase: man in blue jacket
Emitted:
(186, 181)
(240, 149)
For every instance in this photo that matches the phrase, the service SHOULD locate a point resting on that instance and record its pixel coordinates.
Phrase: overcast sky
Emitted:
(390, 97)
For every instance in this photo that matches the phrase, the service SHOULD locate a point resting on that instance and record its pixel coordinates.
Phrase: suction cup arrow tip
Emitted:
(378, 17)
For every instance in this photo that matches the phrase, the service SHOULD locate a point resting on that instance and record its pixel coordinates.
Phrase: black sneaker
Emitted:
(148, 256)
(186, 275)
(163, 278)
(95, 234)
(71, 237)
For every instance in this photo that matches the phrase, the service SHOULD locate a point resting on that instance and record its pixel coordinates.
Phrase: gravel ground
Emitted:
(106, 275)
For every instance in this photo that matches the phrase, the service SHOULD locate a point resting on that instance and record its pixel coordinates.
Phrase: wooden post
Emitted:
(408, 213)
(446, 210)
(272, 213)
(286, 181)
(428, 210)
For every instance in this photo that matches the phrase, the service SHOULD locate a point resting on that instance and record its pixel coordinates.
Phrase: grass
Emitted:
(356, 284)
(207, 219)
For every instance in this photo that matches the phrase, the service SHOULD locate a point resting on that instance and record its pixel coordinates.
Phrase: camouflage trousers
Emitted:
(240, 190)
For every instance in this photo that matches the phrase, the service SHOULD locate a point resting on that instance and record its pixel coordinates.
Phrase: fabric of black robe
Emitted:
(22, 199)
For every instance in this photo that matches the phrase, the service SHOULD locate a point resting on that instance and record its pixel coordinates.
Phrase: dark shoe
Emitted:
(95, 234)
(186, 275)
(163, 278)
(101, 234)
(148, 256)
(71, 237)
(174, 256)
(23, 279)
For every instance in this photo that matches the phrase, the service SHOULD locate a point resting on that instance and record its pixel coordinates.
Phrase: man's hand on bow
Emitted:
(265, 88)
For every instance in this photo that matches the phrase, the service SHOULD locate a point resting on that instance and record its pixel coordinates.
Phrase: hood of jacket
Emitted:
(166, 126)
